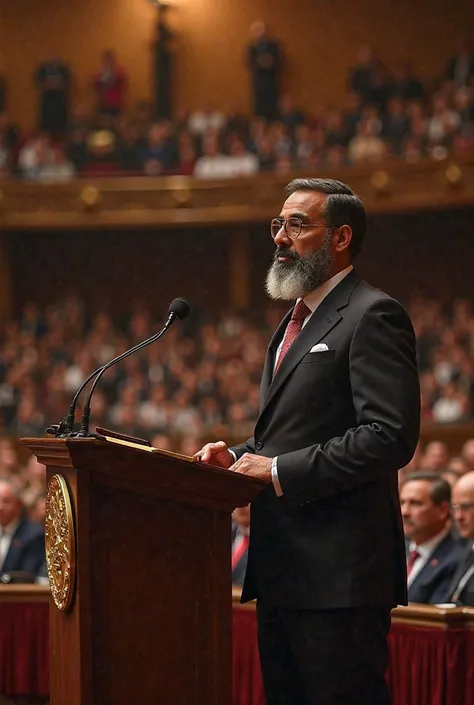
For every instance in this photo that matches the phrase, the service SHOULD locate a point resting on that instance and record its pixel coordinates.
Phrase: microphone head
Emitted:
(180, 308)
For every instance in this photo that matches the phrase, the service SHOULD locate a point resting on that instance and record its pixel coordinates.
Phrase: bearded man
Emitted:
(339, 415)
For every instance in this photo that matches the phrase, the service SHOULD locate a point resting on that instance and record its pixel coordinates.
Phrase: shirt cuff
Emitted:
(232, 454)
(275, 478)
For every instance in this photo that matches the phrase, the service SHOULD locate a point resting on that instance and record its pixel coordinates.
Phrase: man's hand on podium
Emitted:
(215, 454)
(255, 466)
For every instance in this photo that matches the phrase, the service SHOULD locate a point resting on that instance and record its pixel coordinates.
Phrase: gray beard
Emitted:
(298, 277)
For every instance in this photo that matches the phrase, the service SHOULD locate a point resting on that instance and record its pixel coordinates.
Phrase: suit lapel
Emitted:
(325, 317)
(466, 563)
(267, 373)
(444, 547)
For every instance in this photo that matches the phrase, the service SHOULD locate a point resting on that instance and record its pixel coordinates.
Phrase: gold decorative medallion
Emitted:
(60, 542)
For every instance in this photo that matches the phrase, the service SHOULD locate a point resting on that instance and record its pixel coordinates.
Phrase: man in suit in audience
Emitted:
(462, 587)
(339, 416)
(240, 542)
(433, 551)
(21, 540)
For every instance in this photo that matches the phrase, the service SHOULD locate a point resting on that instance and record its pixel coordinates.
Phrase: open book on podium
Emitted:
(138, 543)
(139, 444)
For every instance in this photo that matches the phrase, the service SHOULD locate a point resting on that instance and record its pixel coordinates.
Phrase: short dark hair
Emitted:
(440, 488)
(343, 207)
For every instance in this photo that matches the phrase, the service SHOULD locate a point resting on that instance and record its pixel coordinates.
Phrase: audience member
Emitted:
(240, 542)
(461, 590)
(21, 540)
(5, 158)
(366, 147)
(213, 164)
(206, 120)
(432, 547)
(460, 67)
(361, 77)
(405, 85)
(2, 94)
(53, 79)
(110, 82)
(435, 458)
(467, 454)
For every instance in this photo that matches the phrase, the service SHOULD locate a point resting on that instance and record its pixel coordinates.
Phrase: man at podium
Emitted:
(339, 415)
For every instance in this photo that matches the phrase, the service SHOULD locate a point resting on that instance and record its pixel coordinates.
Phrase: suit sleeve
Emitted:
(386, 398)
(35, 555)
(247, 447)
(441, 591)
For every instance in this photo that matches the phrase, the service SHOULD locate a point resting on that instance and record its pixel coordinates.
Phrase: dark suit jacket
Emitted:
(27, 551)
(342, 422)
(467, 595)
(238, 573)
(432, 584)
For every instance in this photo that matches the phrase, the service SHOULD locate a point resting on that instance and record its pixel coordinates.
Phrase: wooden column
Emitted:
(239, 269)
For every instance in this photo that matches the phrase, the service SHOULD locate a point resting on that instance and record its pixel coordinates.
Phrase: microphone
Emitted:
(179, 309)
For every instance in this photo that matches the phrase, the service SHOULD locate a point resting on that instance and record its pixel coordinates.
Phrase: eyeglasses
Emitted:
(291, 226)
(464, 507)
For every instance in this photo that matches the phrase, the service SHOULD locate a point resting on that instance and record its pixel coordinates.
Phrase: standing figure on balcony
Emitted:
(110, 83)
(53, 79)
(264, 59)
(339, 416)
(163, 65)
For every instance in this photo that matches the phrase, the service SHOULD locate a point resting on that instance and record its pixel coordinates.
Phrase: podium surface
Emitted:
(148, 618)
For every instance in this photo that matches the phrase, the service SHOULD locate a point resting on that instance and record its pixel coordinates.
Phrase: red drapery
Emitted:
(469, 666)
(247, 686)
(24, 649)
(428, 666)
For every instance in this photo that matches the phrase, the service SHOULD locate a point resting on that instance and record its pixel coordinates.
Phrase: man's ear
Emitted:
(343, 237)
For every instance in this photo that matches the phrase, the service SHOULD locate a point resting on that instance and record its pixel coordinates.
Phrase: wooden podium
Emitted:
(150, 614)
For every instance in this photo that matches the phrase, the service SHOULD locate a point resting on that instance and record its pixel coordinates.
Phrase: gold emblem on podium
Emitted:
(60, 542)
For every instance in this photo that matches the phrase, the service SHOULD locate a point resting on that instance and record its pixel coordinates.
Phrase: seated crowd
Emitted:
(203, 382)
(389, 113)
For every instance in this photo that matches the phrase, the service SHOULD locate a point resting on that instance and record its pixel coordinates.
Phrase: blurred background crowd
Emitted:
(202, 380)
(389, 113)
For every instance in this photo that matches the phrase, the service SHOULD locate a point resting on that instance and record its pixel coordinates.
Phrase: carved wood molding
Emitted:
(425, 615)
(24, 593)
(413, 614)
(175, 201)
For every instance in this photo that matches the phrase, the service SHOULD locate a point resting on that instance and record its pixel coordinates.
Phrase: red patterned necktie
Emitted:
(412, 558)
(240, 550)
(293, 328)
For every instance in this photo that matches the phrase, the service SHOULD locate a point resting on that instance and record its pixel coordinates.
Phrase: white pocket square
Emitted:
(320, 347)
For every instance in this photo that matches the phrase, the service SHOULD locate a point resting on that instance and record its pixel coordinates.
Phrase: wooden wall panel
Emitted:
(404, 255)
(320, 38)
(119, 270)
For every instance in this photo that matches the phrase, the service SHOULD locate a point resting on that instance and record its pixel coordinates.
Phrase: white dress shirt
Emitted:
(425, 550)
(6, 535)
(315, 299)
